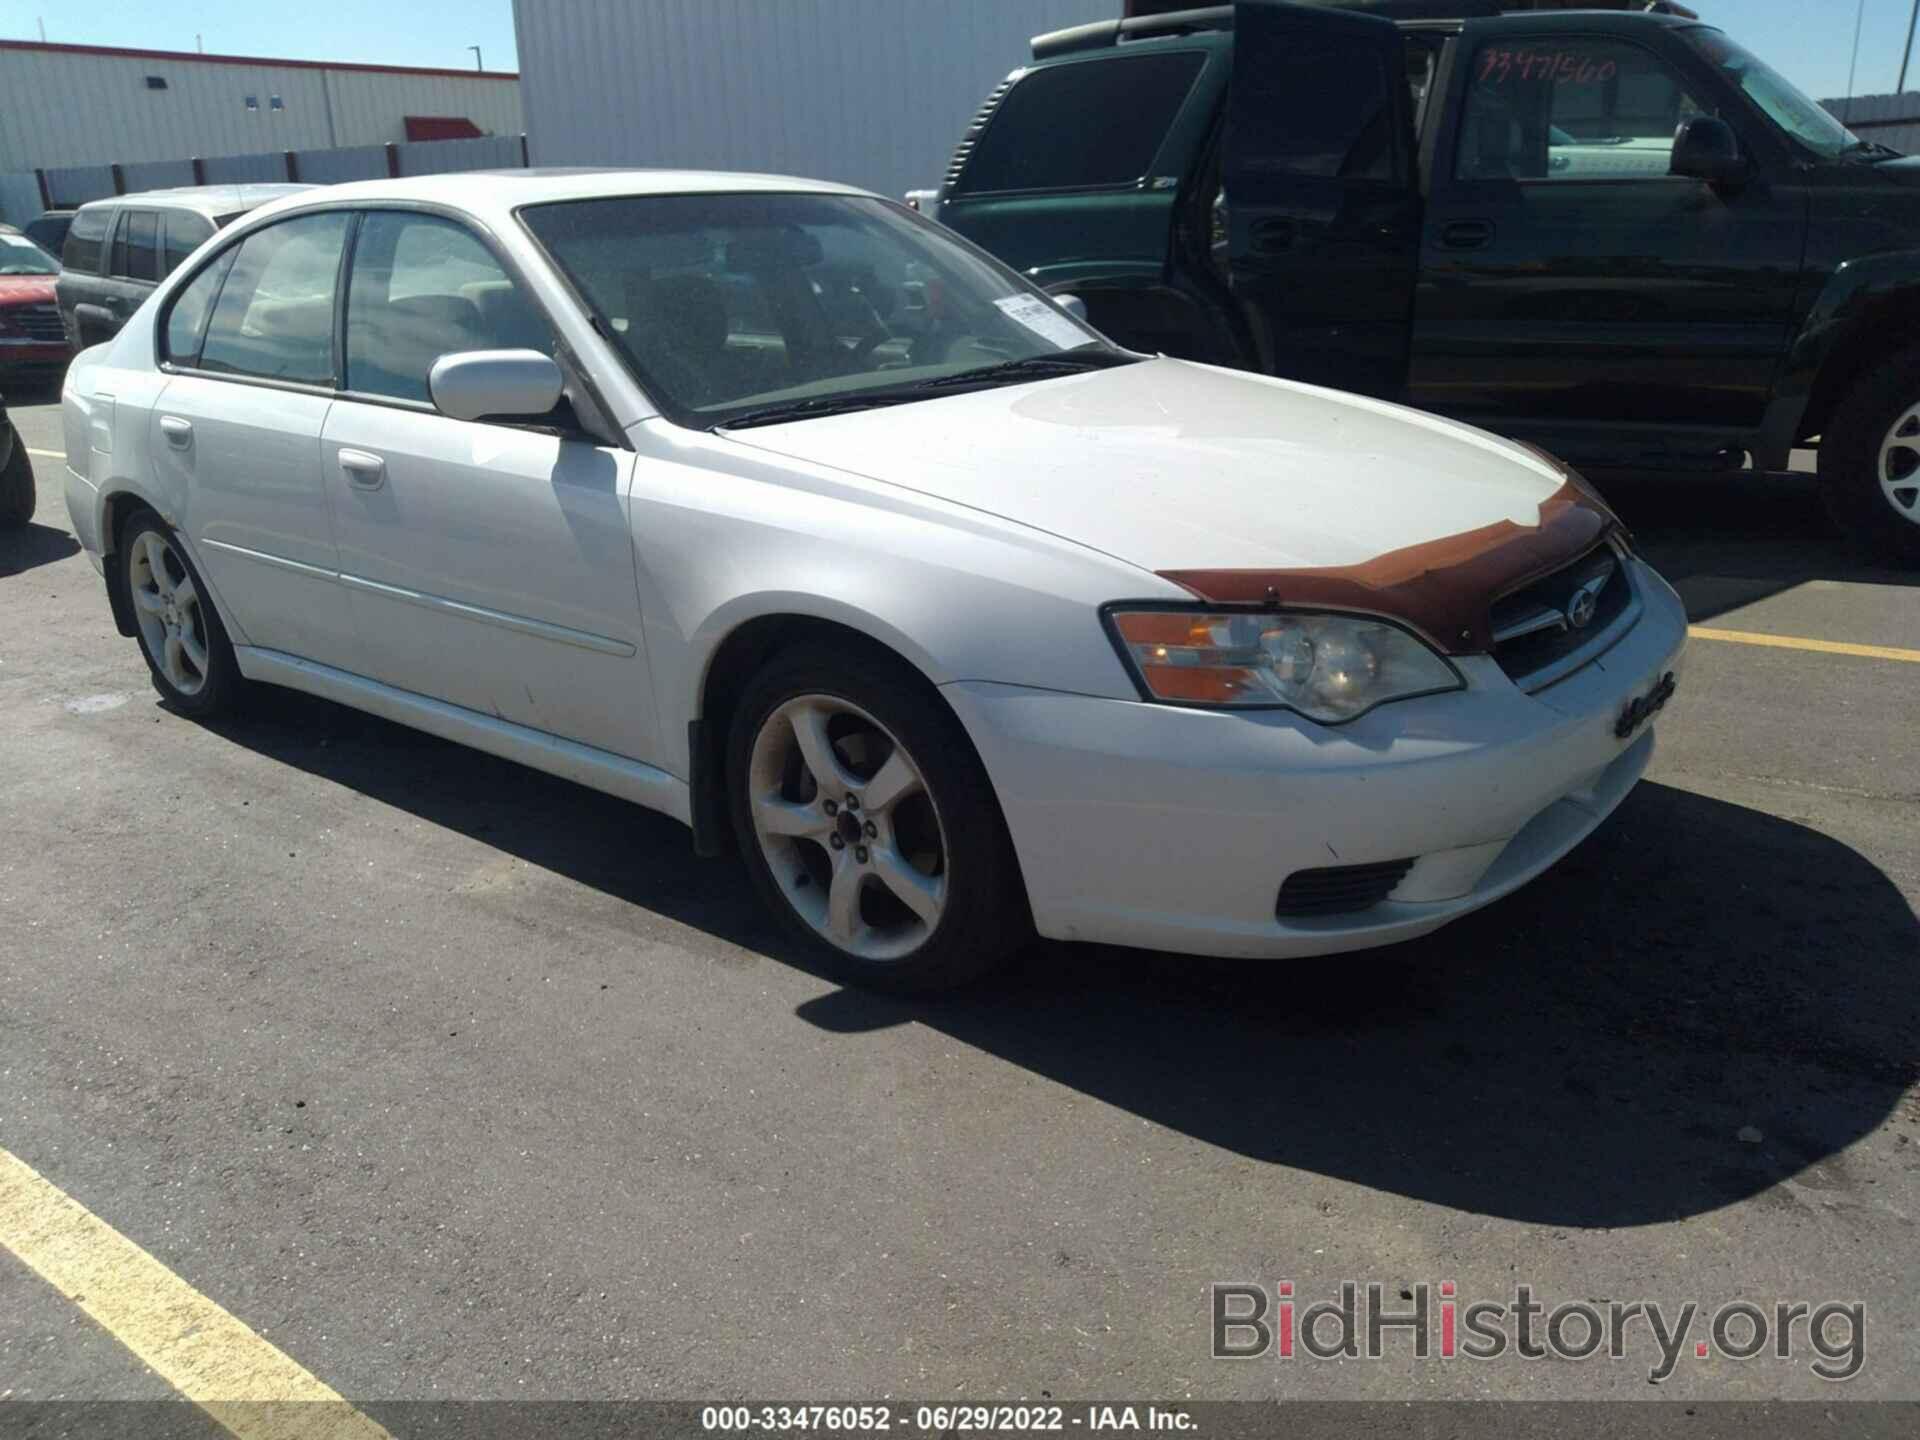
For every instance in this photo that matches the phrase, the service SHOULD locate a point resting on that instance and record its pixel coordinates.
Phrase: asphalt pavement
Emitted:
(447, 1079)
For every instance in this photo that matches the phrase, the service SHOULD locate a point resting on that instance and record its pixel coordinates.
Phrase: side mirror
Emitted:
(1704, 148)
(494, 384)
(1074, 306)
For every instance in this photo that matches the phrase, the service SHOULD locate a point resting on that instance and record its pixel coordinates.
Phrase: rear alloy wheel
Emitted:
(1870, 460)
(869, 828)
(181, 636)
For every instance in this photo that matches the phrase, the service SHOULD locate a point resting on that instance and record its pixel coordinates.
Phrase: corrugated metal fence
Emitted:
(22, 196)
(1890, 119)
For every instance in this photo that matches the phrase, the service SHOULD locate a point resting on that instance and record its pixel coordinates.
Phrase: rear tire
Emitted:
(868, 825)
(16, 487)
(178, 628)
(1870, 460)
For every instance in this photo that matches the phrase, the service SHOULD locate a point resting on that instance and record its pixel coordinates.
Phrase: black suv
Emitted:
(1615, 234)
(118, 250)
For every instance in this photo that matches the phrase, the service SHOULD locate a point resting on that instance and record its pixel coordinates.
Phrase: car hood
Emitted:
(1171, 465)
(25, 289)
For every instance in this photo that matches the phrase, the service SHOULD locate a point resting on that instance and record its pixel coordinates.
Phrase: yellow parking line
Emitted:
(253, 1390)
(1794, 642)
(46, 454)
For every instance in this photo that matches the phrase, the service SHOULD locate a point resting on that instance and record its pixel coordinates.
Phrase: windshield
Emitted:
(1792, 111)
(20, 256)
(725, 305)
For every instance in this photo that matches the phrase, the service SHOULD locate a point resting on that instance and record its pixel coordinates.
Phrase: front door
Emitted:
(489, 565)
(1322, 200)
(1570, 287)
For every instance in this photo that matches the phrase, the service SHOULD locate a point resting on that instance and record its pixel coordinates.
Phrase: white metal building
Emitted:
(72, 105)
(871, 92)
(1890, 119)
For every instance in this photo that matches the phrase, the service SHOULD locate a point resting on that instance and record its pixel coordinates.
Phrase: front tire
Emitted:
(16, 487)
(1870, 460)
(868, 825)
(180, 634)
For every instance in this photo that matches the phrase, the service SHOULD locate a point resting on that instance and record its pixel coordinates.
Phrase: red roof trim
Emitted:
(195, 56)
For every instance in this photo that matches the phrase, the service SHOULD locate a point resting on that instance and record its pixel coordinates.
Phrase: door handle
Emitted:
(364, 471)
(179, 432)
(1466, 234)
(1272, 235)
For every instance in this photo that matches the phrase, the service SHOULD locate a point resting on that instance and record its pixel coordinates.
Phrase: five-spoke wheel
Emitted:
(180, 632)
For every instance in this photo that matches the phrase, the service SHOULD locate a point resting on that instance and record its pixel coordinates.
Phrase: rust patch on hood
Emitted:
(1444, 589)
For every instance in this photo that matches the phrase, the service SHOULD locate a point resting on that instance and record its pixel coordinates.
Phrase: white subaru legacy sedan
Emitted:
(767, 504)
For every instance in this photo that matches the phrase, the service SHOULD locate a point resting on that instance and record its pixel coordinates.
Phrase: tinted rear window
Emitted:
(1096, 122)
(138, 255)
(82, 250)
(184, 231)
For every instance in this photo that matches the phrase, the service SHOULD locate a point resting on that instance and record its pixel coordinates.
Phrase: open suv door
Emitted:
(1322, 200)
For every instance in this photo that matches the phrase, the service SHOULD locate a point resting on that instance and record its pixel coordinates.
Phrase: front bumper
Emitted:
(1151, 825)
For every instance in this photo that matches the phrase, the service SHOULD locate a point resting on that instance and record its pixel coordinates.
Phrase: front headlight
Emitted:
(1328, 667)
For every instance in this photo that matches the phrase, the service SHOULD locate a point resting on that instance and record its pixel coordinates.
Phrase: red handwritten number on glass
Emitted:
(1563, 67)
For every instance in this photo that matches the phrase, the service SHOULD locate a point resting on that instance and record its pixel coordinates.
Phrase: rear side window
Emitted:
(187, 320)
(184, 232)
(84, 238)
(421, 288)
(1098, 122)
(274, 317)
(136, 251)
(1322, 107)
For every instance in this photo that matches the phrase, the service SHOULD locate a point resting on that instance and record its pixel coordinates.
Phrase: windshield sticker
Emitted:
(1563, 67)
(1047, 321)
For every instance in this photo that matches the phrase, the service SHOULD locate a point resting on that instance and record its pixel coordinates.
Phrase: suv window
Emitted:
(84, 237)
(1324, 108)
(422, 287)
(136, 247)
(1097, 122)
(1570, 110)
(274, 317)
(185, 232)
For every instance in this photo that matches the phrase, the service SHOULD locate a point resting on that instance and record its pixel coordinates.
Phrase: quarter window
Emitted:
(1574, 109)
(1092, 123)
(84, 238)
(422, 287)
(187, 319)
(274, 317)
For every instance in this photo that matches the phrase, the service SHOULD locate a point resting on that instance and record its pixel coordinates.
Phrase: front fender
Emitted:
(1846, 306)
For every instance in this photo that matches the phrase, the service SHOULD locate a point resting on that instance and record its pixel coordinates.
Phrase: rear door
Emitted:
(133, 264)
(1322, 196)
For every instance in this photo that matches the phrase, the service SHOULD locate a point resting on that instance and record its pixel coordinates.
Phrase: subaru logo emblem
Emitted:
(1584, 602)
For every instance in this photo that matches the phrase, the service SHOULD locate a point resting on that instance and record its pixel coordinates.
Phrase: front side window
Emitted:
(274, 317)
(85, 238)
(184, 233)
(422, 287)
(1573, 109)
(1095, 122)
(728, 305)
(186, 323)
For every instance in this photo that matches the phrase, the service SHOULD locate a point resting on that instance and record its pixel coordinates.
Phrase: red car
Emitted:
(33, 347)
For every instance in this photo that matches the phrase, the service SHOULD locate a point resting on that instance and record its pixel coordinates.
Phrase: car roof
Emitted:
(496, 194)
(211, 201)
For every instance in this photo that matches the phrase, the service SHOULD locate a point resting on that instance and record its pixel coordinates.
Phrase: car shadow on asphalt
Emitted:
(1728, 540)
(1600, 1049)
(32, 546)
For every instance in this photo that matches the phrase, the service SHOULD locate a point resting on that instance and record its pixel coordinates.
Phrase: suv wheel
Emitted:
(1870, 460)
(868, 825)
(16, 487)
(181, 636)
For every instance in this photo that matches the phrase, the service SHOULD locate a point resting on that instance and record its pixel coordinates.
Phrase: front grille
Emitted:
(1554, 625)
(964, 150)
(1339, 889)
(36, 322)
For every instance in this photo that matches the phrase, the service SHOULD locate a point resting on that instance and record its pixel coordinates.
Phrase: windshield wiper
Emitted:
(1870, 147)
(1034, 367)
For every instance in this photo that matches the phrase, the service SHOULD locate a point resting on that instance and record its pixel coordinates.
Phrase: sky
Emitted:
(1809, 41)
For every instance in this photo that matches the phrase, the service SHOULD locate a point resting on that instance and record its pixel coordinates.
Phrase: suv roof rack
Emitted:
(1152, 19)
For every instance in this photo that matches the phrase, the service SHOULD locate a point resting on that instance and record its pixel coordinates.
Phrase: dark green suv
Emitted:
(1613, 233)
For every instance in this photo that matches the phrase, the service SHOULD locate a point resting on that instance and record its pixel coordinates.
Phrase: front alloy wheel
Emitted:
(867, 823)
(1898, 469)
